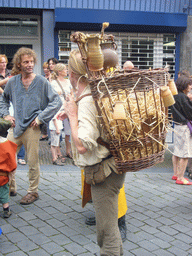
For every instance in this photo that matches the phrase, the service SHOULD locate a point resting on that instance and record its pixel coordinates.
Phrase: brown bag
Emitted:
(94, 174)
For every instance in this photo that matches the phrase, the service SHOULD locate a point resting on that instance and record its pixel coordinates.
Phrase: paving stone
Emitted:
(148, 245)
(141, 252)
(80, 239)
(28, 230)
(18, 253)
(152, 222)
(39, 239)
(168, 230)
(162, 252)
(55, 223)
(184, 238)
(61, 239)
(37, 223)
(129, 245)
(26, 245)
(64, 253)
(75, 249)
(52, 247)
(39, 252)
(177, 251)
(17, 222)
(149, 229)
(181, 228)
(8, 247)
(92, 247)
(164, 237)
(7, 228)
(144, 235)
(165, 221)
(67, 231)
(27, 216)
(48, 230)
(160, 243)
(16, 236)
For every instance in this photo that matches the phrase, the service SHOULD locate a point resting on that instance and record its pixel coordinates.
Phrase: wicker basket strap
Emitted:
(81, 97)
(103, 143)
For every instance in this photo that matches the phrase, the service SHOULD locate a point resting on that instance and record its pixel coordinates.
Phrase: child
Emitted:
(7, 165)
(55, 127)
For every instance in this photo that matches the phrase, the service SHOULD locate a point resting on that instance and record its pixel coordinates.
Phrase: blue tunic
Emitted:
(39, 100)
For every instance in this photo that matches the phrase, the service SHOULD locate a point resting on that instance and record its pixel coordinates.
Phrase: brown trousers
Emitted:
(105, 200)
(30, 140)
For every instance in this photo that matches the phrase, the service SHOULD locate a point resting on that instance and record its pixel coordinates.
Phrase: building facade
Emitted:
(152, 33)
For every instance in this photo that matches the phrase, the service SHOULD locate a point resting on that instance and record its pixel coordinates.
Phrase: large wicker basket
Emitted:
(136, 141)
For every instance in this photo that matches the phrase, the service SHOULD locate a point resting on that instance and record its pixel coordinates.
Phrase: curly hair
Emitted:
(17, 58)
(183, 82)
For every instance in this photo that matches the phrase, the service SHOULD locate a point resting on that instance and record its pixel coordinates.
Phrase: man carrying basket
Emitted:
(99, 165)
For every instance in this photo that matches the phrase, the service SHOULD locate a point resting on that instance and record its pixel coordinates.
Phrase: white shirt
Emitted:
(88, 132)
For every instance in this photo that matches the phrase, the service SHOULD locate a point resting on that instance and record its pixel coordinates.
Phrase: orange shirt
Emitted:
(7, 159)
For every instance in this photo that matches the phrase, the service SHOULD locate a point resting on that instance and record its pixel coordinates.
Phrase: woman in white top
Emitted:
(63, 87)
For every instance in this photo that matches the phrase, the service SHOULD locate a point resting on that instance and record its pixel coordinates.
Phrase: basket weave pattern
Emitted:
(137, 142)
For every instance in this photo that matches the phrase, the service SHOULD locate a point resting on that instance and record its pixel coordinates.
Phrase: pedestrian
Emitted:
(34, 103)
(7, 165)
(92, 156)
(55, 127)
(128, 65)
(4, 72)
(182, 114)
(21, 156)
(63, 87)
(44, 127)
(46, 70)
(51, 64)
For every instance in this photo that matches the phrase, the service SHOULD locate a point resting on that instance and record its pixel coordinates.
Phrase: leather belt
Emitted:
(3, 173)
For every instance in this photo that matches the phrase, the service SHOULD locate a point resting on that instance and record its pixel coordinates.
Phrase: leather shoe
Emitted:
(122, 228)
(90, 221)
(13, 193)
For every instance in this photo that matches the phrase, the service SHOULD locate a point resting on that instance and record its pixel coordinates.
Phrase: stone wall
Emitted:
(186, 47)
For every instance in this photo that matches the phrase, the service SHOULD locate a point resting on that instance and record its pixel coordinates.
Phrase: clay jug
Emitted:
(172, 87)
(94, 54)
(167, 96)
(110, 54)
(119, 111)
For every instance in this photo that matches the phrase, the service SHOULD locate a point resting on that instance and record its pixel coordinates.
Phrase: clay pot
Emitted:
(172, 87)
(119, 111)
(167, 96)
(110, 55)
(94, 54)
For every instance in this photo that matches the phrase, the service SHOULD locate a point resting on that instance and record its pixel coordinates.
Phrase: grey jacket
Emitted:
(40, 100)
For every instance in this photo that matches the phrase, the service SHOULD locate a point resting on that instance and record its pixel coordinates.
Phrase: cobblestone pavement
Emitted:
(158, 219)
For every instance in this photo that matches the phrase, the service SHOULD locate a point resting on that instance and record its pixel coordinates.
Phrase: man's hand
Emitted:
(34, 124)
(11, 119)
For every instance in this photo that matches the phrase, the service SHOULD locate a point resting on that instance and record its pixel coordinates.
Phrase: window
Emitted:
(144, 50)
(19, 27)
